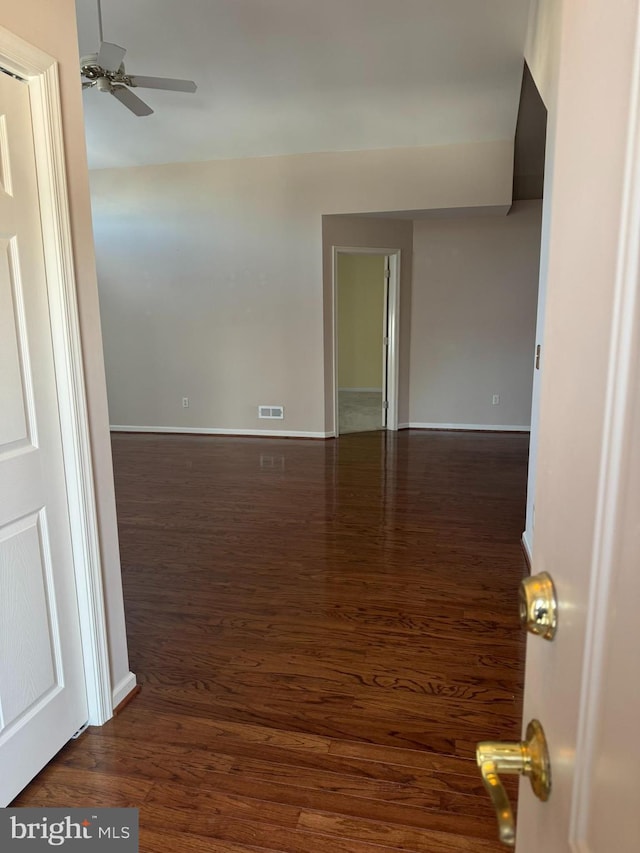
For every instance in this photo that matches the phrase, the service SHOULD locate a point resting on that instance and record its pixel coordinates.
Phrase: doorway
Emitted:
(529, 183)
(365, 301)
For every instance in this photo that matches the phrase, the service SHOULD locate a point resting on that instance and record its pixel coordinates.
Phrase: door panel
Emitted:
(29, 661)
(13, 417)
(593, 245)
(42, 689)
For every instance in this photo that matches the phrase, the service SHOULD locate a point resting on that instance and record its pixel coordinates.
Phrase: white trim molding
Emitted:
(470, 427)
(40, 72)
(260, 433)
(123, 688)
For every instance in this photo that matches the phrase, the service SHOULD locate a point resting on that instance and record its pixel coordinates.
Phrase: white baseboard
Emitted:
(471, 427)
(123, 688)
(263, 433)
(282, 433)
(363, 390)
(526, 543)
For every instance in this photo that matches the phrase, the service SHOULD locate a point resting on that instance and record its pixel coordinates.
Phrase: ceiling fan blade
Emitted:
(168, 83)
(131, 101)
(110, 56)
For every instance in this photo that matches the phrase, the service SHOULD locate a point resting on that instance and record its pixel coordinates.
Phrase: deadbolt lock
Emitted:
(539, 605)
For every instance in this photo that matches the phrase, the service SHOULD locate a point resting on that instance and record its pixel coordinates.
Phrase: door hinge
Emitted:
(385, 405)
(385, 341)
(387, 274)
(538, 357)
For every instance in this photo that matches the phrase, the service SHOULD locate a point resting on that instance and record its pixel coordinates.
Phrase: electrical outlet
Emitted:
(496, 400)
(185, 402)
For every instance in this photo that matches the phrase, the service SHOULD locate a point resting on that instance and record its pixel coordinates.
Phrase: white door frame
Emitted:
(394, 328)
(40, 72)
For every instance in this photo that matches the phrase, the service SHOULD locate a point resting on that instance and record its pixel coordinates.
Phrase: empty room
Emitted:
(320, 424)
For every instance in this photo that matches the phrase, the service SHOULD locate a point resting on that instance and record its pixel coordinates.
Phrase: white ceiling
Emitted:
(293, 76)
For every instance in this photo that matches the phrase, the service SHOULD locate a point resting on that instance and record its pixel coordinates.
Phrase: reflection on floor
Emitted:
(359, 411)
(321, 641)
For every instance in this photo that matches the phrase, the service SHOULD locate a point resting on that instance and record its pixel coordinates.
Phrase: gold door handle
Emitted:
(529, 758)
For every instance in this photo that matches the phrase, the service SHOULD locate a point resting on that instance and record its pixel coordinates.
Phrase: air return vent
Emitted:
(276, 412)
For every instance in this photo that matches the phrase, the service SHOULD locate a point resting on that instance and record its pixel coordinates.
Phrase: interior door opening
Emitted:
(529, 183)
(365, 299)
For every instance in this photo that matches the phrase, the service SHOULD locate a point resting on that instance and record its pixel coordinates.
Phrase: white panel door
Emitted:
(42, 687)
(584, 687)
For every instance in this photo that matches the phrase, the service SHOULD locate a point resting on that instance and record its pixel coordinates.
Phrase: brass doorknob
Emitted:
(539, 605)
(529, 758)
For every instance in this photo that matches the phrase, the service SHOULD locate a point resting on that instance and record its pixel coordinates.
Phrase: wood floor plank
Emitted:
(144, 760)
(194, 764)
(283, 801)
(294, 841)
(320, 644)
(397, 837)
(304, 840)
(58, 787)
(242, 803)
(149, 723)
(290, 748)
(153, 841)
(332, 715)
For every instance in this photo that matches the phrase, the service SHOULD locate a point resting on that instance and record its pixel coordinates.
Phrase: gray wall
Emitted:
(211, 275)
(474, 297)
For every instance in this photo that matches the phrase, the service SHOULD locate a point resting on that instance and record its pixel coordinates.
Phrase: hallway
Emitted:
(322, 630)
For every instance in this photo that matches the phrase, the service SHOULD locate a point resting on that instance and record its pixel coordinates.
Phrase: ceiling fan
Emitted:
(105, 70)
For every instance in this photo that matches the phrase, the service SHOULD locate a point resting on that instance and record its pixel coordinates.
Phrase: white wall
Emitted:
(473, 316)
(542, 53)
(211, 274)
(542, 46)
(52, 27)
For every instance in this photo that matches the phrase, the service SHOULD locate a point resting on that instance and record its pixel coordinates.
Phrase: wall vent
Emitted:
(271, 412)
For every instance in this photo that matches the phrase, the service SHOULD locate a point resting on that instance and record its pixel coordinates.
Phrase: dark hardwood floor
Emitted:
(322, 631)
